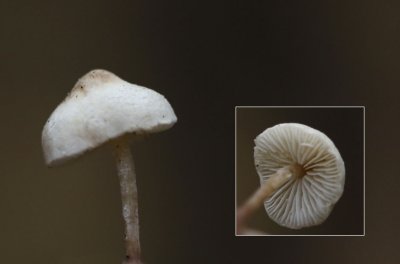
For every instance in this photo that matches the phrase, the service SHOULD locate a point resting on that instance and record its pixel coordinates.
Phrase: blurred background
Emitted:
(344, 126)
(205, 57)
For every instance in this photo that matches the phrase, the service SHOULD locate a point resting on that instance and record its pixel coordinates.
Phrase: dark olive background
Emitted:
(205, 57)
(344, 126)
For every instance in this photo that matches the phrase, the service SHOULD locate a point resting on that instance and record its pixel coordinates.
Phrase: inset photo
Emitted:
(300, 171)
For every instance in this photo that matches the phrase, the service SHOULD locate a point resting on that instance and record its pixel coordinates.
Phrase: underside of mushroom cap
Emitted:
(318, 173)
(99, 108)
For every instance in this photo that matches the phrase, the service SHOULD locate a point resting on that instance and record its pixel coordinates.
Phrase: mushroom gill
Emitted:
(318, 169)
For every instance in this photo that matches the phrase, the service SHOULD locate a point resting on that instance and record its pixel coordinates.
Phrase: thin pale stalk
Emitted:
(129, 195)
(246, 210)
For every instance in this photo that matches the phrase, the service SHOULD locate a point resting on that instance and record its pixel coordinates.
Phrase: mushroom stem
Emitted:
(275, 181)
(129, 195)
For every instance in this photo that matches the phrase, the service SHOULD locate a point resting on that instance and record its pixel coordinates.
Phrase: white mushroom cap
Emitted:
(101, 107)
(318, 173)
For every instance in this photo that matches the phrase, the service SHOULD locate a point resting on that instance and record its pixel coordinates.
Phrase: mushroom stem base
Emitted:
(129, 195)
(245, 211)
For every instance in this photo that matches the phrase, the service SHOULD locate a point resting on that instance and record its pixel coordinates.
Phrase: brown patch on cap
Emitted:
(101, 75)
(93, 78)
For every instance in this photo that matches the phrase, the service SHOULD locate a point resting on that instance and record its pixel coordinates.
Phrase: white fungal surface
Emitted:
(101, 107)
(319, 174)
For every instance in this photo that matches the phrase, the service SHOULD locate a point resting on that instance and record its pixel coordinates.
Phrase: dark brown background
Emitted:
(344, 126)
(206, 57)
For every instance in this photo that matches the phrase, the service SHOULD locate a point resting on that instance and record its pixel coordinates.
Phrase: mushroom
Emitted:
(302, 176)
(104, 109)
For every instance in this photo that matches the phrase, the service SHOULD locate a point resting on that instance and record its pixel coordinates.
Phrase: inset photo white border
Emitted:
(256, 210)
